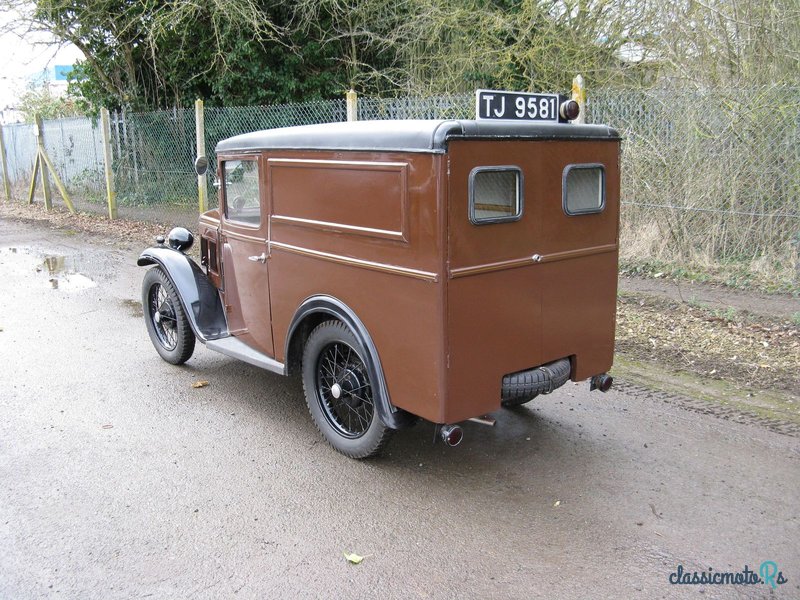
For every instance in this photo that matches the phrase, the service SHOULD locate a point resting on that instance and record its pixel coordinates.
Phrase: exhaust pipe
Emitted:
(602, 382)
(451, 434)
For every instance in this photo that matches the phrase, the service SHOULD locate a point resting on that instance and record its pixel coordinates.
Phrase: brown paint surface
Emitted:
(525, 313)
(363, 197)
(451, 306)
(246, 281)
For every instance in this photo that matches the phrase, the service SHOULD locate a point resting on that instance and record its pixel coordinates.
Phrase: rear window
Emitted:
(584, 189)
(495, 194)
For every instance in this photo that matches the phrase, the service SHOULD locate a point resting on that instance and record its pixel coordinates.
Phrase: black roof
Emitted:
(406, 136)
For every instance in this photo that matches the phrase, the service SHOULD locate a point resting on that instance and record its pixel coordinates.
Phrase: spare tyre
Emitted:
(524, 386)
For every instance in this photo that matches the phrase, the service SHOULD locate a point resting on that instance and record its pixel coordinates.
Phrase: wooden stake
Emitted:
(111, 193)
(59, 184)
(352, 105)
(200, 135)
(579, 95)
(41, 165)
(39, 132)
(6, 182)
(34, 178)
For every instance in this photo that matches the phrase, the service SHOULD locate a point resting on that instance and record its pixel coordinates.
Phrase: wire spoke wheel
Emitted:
(343, 390)
(340, 391)
(166, 321)
(162, 314)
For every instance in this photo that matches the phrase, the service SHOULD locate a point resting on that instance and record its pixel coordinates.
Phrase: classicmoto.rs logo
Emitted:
(768, 573)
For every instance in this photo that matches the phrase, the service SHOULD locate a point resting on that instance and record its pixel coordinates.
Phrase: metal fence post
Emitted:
(111, 193)
(200, 134)
(352, 105)
(6, 183)
(579, 95)
(117, 137)
(39, 132)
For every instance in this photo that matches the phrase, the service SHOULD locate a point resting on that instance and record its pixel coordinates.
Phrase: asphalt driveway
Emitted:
(118, 479)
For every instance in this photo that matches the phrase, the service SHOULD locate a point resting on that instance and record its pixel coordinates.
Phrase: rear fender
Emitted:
(199, 297)
(393, 417)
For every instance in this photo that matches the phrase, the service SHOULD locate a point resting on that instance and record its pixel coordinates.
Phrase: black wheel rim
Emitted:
(344, 391)
(162, 316)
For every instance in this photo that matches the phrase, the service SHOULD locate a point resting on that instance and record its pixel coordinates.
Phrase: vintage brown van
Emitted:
(406, 269)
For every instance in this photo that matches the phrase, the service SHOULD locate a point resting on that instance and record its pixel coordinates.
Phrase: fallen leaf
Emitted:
(558, 503)
(353, 558)
(199, 384)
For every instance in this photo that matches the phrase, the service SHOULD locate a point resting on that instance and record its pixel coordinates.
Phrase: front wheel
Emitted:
(340, 393)
(167, 323)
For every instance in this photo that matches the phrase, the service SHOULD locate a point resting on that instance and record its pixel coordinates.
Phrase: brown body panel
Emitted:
(509, 311)
(385, 265)
(451, 306)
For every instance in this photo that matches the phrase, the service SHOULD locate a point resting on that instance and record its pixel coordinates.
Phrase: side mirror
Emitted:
(201, 165)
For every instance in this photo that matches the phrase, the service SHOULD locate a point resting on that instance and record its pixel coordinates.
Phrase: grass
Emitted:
(736, 275)
(733, 345)
(771, 404)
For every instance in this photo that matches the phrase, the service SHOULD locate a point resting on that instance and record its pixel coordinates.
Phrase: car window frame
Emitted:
(255, 158)
(593, 211)
(520, 194)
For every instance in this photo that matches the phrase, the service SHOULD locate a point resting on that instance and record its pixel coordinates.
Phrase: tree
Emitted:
(146, 54)
(727, 42)
(38, 99)
(149, 54)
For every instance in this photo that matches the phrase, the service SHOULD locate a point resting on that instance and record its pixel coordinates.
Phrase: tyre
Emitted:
(340, 393)
(165, 318)
(520, 388)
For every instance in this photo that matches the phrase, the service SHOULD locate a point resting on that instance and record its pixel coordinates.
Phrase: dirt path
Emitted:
(713, 296)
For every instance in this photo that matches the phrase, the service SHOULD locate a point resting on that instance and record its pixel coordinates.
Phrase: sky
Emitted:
(24, 59)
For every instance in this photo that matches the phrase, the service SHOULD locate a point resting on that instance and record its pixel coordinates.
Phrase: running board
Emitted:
(231, 346)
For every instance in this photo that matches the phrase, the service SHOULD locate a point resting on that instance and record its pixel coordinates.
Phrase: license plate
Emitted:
(516, 106)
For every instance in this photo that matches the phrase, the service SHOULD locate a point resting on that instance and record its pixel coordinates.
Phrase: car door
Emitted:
(245, 269)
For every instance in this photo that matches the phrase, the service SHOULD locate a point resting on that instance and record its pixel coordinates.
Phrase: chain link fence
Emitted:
(461, 106)
(707, 176)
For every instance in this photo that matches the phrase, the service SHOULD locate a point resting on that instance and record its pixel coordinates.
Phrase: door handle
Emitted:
(262, 259)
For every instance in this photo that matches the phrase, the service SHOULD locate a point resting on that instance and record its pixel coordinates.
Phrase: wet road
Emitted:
(120, 480)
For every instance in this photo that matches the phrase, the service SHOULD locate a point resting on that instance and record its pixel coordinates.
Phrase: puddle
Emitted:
(134, 307)
(54, 271)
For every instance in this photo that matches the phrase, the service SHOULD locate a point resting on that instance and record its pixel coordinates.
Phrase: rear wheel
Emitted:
(165, 318)
(340, 393)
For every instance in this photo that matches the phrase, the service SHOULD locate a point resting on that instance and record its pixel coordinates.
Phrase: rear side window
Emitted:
(584, 189)
(495, 194)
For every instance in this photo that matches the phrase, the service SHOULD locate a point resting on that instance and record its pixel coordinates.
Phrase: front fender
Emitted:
(199, 297)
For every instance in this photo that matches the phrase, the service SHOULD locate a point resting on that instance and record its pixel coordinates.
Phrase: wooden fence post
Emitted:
(39, 133)
(6, 182)
(41, 165)
(111, 193)
(579, 95)
(200, 134)
(352, 105)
